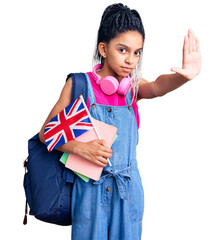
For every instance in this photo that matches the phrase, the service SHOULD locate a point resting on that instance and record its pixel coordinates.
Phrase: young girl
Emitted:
(112, 208)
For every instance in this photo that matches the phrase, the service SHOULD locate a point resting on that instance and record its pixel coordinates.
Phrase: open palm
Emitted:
(191, 65)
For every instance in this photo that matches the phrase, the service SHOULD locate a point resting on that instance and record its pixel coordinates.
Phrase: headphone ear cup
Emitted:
(109, 85)
(124, 85)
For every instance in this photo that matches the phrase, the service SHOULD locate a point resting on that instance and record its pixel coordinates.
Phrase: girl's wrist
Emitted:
(76, 147)
(181, 77)
(70, 147)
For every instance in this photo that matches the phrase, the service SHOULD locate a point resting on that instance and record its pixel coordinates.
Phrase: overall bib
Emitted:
(111, 208)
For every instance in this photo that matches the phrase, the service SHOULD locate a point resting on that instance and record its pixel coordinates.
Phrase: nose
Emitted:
(129, 59)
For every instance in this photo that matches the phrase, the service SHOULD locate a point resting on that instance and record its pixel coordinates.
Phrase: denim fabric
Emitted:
(111, 208)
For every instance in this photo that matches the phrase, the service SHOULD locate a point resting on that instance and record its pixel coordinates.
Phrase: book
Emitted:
(64, 158)
(80, 164)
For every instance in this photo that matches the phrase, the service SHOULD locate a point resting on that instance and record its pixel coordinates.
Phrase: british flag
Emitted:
(70, 123)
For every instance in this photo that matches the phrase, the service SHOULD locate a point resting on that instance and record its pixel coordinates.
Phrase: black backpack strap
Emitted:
(79, 85)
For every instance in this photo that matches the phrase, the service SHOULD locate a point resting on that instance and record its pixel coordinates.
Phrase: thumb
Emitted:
(178, 70)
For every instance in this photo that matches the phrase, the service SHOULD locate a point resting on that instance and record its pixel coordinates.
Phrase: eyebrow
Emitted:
(122, 45)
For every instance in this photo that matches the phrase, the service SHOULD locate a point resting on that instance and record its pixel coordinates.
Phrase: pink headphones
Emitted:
(109, 85)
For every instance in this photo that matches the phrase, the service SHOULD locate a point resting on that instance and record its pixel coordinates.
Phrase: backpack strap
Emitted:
(79, 85)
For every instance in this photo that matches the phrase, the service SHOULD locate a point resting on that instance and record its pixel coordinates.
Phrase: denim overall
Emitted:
(111, 208)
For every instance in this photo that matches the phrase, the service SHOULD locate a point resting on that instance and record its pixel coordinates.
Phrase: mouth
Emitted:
(126, 69)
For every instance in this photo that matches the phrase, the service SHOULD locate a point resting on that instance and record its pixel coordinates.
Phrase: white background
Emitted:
(180, 151)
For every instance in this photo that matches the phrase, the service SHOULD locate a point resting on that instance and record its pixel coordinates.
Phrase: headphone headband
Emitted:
(95, 76)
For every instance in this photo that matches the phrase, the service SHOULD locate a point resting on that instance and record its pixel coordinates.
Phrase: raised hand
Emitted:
(191, 65)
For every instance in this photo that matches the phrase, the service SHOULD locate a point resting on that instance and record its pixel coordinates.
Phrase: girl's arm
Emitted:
(95, 151)
(64, 101)
(191, 67)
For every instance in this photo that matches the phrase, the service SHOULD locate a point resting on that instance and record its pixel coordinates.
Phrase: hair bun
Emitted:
(124, 8)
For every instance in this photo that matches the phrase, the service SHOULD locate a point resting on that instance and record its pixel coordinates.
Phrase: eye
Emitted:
(122, 50)
(137, 53)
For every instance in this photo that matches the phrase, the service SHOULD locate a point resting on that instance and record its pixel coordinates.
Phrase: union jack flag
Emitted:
(70, 123)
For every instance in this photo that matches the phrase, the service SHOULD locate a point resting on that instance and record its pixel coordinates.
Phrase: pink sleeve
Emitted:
(135, 108)
(88, 103)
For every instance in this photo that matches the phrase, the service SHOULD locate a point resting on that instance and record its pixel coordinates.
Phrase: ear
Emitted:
(102, 47)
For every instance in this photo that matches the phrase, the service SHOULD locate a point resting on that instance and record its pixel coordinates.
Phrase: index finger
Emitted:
(105, 148)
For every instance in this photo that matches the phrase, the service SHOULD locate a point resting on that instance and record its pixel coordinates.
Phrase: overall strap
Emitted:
(128, 98)
(79, 85)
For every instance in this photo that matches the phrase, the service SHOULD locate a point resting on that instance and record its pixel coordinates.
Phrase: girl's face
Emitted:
(121, 54)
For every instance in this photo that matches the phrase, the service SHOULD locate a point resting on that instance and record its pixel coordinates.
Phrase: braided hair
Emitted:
(116, 19)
